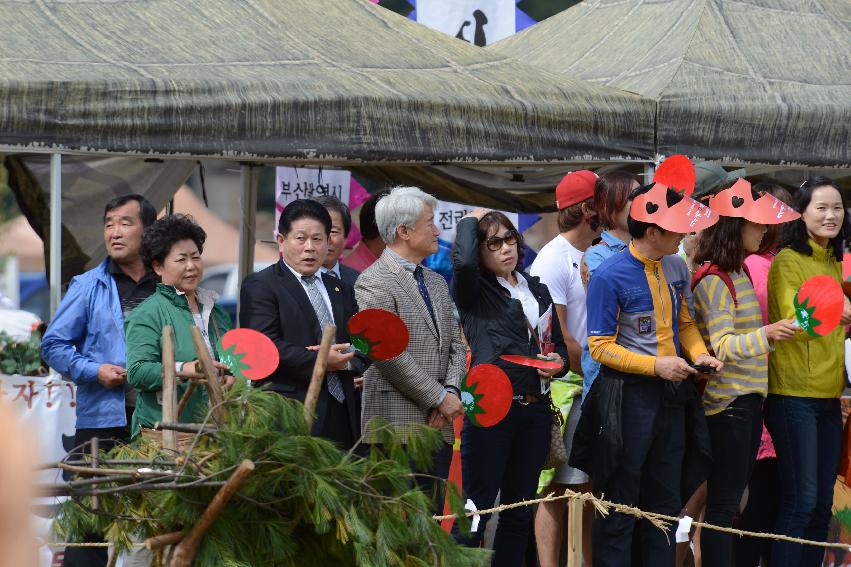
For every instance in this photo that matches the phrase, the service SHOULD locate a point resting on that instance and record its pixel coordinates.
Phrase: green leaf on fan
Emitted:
(805, 318)
(233, 360)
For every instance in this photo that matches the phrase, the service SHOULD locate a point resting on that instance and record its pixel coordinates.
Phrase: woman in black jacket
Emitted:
(500, 307)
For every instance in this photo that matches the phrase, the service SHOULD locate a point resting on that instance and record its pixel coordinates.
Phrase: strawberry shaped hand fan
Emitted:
(248, 353)
(533, 361)
(486, 395)
(379, 334)
(818, 305)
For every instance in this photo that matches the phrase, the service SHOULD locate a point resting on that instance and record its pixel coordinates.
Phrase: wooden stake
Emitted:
(95, 448)
(318, 375)
(169, 389)
(185, 552)
(214, 384)
(574, 533)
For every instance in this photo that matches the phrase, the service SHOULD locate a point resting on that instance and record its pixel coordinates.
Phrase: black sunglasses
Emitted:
(494, 243)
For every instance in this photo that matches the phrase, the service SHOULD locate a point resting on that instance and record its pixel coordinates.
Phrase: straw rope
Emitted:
(604, 507)
(660, 521)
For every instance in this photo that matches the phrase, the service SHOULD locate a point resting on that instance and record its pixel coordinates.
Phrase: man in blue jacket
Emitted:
(85, 339)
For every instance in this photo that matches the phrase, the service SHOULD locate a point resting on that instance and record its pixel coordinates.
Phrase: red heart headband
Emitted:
(738, 201)
(683, 217)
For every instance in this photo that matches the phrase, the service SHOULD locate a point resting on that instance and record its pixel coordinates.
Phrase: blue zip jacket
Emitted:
(594, 256)
(87, 331)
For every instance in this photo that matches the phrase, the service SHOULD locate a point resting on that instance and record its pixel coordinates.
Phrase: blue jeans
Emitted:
(506, 458)
(807, 434)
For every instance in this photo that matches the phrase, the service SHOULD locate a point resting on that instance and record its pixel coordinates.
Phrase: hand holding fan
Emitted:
(379, 334)
(486, 395)
(846, 287)
(248, 353)
(818, 305)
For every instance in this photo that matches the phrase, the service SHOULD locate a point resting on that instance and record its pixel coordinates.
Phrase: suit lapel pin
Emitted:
(336, 288)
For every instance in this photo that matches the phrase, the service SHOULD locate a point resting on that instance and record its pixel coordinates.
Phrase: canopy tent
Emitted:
(316, 81)
(754, 81)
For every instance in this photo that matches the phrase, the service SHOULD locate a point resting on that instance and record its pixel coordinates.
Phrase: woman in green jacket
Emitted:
(805, 376)
(172, 247)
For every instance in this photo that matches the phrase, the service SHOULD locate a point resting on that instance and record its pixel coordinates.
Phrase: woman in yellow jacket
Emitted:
(805, 376)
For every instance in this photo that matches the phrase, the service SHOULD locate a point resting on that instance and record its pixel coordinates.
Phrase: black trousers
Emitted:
(735, 433)
(107, 439)
(648, 476)
(506, 458)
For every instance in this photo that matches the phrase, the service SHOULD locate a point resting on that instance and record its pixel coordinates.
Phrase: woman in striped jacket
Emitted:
(730, 320)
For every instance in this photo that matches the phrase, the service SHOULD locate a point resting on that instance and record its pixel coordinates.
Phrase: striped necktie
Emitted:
(324, 316)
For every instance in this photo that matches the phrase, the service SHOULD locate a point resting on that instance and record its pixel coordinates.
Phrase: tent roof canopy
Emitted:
(319, 81)
(760, 81)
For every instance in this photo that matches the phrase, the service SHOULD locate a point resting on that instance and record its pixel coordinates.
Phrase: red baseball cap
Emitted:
(575, 187)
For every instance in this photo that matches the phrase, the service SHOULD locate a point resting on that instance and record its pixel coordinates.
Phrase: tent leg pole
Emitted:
(55, 231)
(248, 203)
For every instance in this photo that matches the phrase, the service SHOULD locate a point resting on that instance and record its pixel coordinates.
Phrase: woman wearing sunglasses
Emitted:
(500, 307)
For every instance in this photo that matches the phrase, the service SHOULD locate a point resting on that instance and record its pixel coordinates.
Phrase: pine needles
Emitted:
(306, 503)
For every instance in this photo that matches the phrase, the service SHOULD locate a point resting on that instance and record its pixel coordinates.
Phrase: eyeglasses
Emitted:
(494, 243)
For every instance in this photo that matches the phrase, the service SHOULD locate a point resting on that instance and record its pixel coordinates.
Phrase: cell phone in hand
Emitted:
(703, 368)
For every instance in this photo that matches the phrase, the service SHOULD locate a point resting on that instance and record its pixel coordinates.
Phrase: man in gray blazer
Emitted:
(421, 385)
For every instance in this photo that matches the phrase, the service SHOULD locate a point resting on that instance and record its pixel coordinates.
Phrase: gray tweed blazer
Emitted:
(403, 390)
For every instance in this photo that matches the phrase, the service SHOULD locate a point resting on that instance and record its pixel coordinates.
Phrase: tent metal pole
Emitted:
(248, 203)
(55, 231)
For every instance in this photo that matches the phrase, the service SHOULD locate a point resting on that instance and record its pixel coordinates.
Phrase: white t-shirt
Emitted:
(558, 266)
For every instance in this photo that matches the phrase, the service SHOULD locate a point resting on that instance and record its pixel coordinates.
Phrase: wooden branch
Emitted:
(94, 447)
(107, 472)
(184, 427)
(193, 376)
(169, 389)
(214, 385)
(184, 399)
(158, 542)
(111, 462)
(318, 375)
(184, 553)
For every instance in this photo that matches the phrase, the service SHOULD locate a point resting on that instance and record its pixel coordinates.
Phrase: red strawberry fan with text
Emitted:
(378, 334)
(486, 395)
(740, 201)
(818, 305)
(248, 353)
(668, 203)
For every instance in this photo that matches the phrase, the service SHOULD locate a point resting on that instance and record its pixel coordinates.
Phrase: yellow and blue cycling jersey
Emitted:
(638, 309)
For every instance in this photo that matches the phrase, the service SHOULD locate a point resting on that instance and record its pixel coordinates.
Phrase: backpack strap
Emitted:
(709, 269)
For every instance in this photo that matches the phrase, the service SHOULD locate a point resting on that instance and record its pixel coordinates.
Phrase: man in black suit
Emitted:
(290, 302)
(341, 226)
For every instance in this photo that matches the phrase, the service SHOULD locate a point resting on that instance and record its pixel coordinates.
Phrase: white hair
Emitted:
(401, 207)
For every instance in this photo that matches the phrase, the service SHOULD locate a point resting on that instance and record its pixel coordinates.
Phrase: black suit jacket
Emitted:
(348, 275)
(275, 303)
